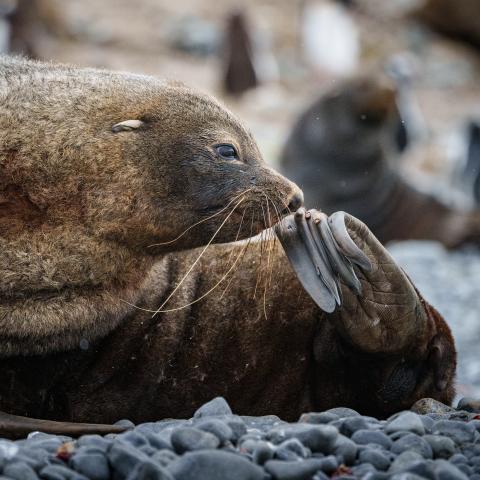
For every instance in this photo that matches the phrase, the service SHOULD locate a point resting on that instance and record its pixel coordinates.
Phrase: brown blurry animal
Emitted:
(342, 152)
(103, 177)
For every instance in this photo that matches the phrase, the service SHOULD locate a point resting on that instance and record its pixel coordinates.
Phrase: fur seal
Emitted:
(118, 195)
(342, 153)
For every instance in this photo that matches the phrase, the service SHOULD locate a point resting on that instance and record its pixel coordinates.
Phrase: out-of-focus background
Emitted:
(269, 60)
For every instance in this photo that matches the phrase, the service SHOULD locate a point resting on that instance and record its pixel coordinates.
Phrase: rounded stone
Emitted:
(20, 471)
(164, 457)
(343, 412)
(262, 452)
(374, 457)
(442, 447)
(345, 450)
(318, 418)
(459, 432)
(292, 449)
(429, 405)
(469, 404)
(364, 437)
(187, 439)
(405, 421)
(294, 470)
(216, 427)
(318, 438)
(352, 424)
(217, 406)
(214, 465)
(150, 471)
(93, 466)
(448, 471)
(405, 460)
(414, 443)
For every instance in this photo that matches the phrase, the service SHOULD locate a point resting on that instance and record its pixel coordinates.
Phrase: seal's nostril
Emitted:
(296, 201)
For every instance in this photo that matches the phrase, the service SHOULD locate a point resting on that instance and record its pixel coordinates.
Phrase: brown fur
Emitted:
(86, 204)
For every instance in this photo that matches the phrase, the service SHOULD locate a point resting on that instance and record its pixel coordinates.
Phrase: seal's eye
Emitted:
(227, 152)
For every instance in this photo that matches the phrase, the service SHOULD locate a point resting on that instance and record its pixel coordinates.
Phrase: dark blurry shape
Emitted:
(195, 36)
(342, 151)
(25, 26)
(239, 74)
(348, 3)
(471, 173)
(29, 22)
(458, 19)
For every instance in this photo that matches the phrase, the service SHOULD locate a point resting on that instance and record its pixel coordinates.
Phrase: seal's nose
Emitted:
(296, 200)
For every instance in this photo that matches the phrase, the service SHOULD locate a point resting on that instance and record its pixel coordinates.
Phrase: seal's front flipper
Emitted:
(14, 427)
(289, 235)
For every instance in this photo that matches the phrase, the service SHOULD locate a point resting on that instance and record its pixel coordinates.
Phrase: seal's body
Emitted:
(108, 182)
(342, 153)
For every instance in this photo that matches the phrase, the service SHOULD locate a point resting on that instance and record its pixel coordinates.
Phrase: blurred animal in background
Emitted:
(455, 18)
(342, 152)
(240, 74)
(23, 24)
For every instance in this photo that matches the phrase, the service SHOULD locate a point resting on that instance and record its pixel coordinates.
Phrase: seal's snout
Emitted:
(296, 200)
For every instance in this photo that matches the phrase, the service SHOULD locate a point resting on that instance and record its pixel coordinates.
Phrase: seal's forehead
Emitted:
(205, 109)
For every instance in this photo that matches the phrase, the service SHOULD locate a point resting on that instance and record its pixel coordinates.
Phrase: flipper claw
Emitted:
(348, 247)
(321, 252)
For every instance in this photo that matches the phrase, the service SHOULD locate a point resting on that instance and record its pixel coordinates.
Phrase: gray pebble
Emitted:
(447, 471)
(375, 457)
(294, 470)
(405, 421)
(164, 457)
(124, 458)
(217, 406)
(442, 447)
(405, 460)
(216, 427)
(343, 412)
(149, 471)
(187, 439)
(94, 441)
(459, 432)
(94, 466)
(59, 472)
(318, 438)
(262, 452)
(292, 449)
(364, 437)
(214, 465)
(469, 404)
(414, 443)
(20, 471)
(318, 418)
(351, 424)
(345, 450)
(125, 423)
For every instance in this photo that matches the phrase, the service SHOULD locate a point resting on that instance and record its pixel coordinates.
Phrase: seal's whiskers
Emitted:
(201, 221)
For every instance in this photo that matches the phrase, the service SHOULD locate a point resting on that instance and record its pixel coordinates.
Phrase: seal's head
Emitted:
(199, 161)
(138, 160)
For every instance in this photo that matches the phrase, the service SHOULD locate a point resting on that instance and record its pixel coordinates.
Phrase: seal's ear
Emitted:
(127, 126)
